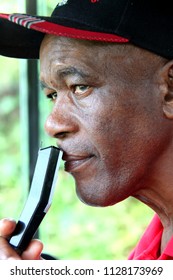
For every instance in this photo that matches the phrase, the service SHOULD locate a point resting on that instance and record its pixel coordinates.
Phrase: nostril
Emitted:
(61, 135)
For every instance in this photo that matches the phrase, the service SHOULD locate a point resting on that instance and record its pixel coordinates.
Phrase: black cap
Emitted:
(144, 23)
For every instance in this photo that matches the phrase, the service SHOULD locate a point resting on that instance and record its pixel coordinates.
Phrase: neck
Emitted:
(158, 195)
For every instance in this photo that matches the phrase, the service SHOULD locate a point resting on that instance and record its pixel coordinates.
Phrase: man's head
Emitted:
(112, 106)
(105, 67)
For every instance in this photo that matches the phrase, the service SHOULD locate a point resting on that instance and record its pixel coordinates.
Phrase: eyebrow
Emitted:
(65, 72)
(43, 85)
(68, 71)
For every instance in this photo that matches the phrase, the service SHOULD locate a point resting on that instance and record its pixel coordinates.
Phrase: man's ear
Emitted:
(168, 95)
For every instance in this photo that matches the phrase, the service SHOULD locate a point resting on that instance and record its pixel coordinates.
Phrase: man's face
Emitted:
(106, 115)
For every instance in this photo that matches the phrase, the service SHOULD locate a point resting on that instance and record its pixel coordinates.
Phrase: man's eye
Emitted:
(52, 96)
(80, 89)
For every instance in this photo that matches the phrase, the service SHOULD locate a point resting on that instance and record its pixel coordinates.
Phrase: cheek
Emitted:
(124, 136)
(106, 127)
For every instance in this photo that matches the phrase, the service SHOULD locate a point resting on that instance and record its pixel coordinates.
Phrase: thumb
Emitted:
(33, 251)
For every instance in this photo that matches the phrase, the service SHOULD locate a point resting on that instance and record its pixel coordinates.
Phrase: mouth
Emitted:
(74, 163)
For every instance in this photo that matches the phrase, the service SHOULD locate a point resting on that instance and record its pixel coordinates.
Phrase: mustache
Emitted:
(76, 148)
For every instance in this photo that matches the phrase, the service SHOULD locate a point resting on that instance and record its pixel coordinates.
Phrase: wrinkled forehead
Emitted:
(94, 57)
(70, 57)
(64, 44)
(61, 51)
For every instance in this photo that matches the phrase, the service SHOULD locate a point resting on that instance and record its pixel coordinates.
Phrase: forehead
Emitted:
(106, 61)
(63, 57)
(64, 44)
(99, 62)
(65, 50)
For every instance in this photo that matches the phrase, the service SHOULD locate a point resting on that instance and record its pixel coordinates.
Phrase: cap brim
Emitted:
(21, 35)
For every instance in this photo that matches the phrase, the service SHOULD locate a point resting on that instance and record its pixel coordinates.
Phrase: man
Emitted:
(107, 68)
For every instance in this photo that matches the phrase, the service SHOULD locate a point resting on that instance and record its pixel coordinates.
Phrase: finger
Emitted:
(6, 251)
(7, 226)
(34, 250)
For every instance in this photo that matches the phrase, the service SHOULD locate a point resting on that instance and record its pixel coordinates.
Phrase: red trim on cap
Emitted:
(56, 29)
(6, 16)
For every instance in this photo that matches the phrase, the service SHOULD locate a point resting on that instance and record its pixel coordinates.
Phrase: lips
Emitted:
(74, 163)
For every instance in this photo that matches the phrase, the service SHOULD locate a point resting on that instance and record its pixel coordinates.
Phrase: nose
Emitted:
(61, 122)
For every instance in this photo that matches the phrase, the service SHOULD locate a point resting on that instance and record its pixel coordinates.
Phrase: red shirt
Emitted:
(148, 247)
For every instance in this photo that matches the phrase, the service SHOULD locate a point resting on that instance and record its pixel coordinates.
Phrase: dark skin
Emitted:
(112, 114)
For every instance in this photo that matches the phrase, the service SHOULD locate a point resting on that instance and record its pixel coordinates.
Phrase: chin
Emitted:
(99, 199)
(101, 191)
